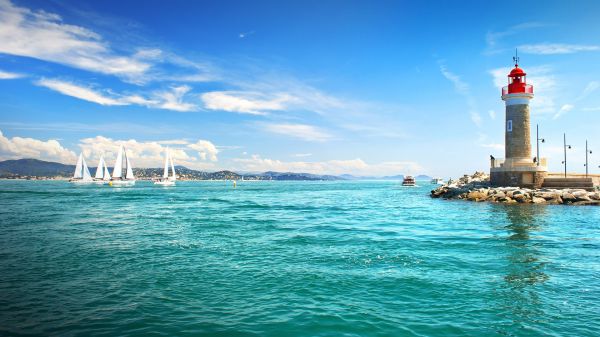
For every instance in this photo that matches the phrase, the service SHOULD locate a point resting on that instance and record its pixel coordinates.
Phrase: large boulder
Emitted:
(568, 197)
(538, 200)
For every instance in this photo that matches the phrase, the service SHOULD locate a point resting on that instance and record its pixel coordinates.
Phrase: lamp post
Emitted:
(586, 158)
(565, 151)
(537, 134)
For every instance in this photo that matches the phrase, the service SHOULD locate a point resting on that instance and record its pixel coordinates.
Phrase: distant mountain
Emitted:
(35, 167)
(423, 177)
(39, 168)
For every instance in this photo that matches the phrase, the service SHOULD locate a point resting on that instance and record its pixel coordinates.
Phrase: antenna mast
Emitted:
(516, 58)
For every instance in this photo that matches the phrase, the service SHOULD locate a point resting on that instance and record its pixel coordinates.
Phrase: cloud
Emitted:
(563, 110)
(353, 166)
(167, 99)
(245, 102)
(492, 114)
(44, 36)
(301, 131)
(492, 39)
(556, 48)
(70, 89)
(151, 153)
(18, 147)
(4, 75)
(301, 155)
(464, 90)
(205, 149)
(589, 89)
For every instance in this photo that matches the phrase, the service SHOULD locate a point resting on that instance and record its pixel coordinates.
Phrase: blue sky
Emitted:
(367, 88)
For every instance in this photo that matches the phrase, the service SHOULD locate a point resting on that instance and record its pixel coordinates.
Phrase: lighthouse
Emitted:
(518, 168)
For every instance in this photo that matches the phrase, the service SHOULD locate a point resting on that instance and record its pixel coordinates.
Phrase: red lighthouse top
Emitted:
(517, 81)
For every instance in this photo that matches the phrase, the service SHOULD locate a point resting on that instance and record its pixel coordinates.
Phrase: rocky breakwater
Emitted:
(477, 187)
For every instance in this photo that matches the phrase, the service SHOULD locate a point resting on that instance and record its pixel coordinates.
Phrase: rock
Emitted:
(538, 200)
(568, 197)
(500, 195)
(587, 203)
(476, 196)
(594, 196)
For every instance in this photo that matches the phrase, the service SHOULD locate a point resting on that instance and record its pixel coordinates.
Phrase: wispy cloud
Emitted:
(172, 99)
(44, 36)
(252, 103)
(5, 75)
(464, 90)
(245, 34)
(563, 110)
(493, 39)
(73, 90)
(556, 48)
(301, 131)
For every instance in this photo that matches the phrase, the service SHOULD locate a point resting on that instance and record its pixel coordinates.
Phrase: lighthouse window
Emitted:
(509, 125)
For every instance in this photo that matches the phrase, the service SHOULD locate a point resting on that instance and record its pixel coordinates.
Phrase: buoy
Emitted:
(234, 183)
(110, 183)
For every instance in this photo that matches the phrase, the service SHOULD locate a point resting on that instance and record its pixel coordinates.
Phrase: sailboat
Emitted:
(82, 173)
(122, 164)
(102, 174)
(167, 180)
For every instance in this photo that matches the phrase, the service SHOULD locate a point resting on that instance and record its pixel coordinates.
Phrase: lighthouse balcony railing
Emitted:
(527, 89)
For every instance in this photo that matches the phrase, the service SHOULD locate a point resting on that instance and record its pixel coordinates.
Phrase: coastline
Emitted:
(477, 188)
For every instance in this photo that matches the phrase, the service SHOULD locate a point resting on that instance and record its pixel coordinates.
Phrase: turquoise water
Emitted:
(291, 259)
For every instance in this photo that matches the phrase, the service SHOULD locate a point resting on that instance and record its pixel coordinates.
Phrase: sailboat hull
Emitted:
(81, 181)
(121, 182)
(164, 183)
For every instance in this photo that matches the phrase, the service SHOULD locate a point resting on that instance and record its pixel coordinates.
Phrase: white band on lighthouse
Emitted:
(515, 99)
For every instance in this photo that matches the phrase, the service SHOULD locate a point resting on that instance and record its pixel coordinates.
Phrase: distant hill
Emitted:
(35, 167)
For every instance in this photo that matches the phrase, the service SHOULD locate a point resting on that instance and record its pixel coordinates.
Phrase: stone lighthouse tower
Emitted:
(518, 168)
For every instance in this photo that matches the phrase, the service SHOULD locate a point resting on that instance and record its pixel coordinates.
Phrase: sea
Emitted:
(275, 258)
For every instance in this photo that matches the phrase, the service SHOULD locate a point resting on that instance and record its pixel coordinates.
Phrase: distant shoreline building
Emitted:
(518, 168)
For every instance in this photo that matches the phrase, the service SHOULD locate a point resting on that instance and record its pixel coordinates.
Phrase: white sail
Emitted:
(78, 168)
(86, 171)
(100, 168)
(129, 174)
(106, 173)
(118, 168)
(166, 170)
(173, 177)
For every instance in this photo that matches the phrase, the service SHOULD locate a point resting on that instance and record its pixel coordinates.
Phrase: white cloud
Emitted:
(5, 75)
(150, 153)
(556, 48)
(464, 90)
(86, 94)
(244, 102)
(173, 100)
(205, 149)
(301, 131)
(492, 114)
(168, 99)
(492, 39)
(44, 36)
(589, 89)
(352, 166)
(18, 147)
(301, 155)
(563, 110)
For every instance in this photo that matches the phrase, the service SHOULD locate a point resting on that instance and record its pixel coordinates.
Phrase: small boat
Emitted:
(409, 181)
(437, 181)
(167, 180)
(102, 174)
(122, 172)
(82, 173)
